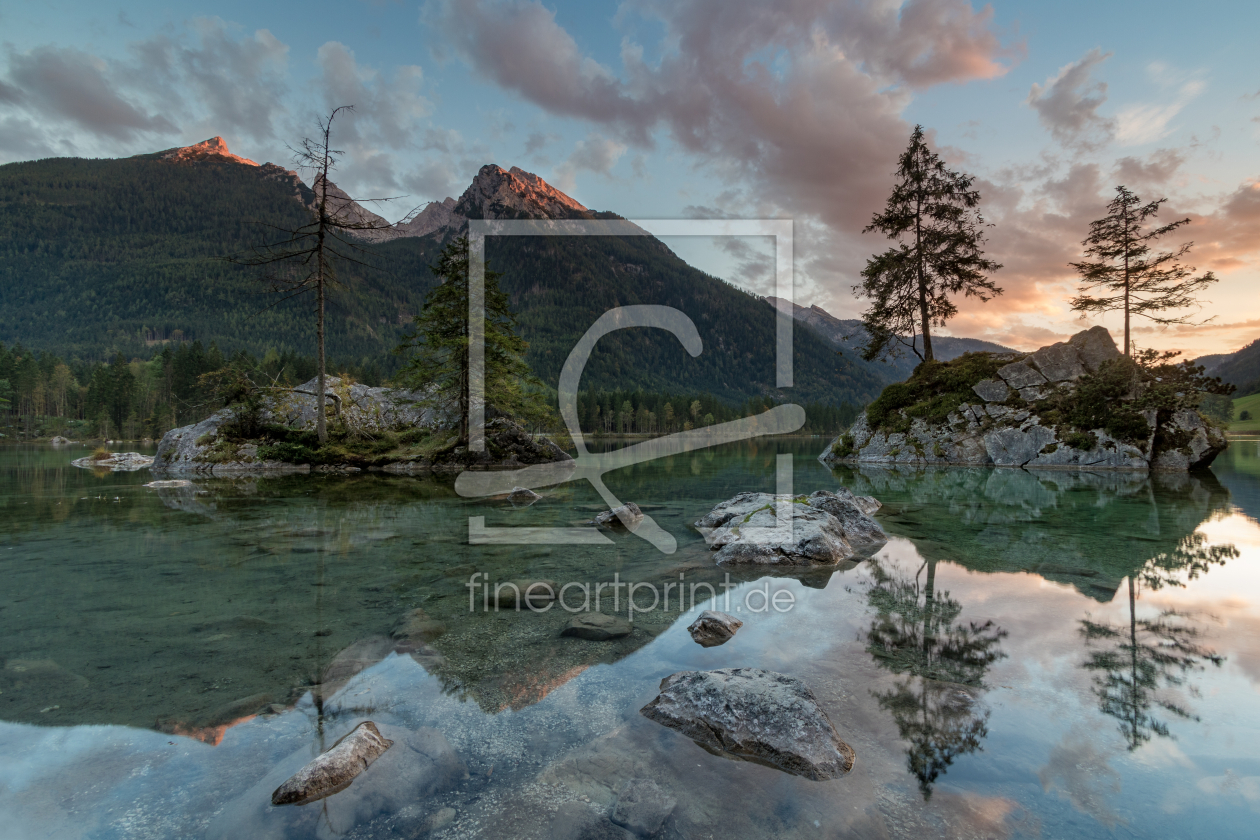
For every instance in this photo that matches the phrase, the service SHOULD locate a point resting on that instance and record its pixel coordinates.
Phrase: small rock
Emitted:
(1033, 393)
(441, 819)
(597, 627)
(714, 628)
(333, 771)
(517, 594)
(753, 715)
(627, 516)
(116, 462)
(417, 626)
(643, 807)
(991, 390)
(60, 441)
(169, 483)
(522, 496)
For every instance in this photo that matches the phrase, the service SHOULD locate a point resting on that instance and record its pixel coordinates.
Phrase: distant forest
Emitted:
(42, 395)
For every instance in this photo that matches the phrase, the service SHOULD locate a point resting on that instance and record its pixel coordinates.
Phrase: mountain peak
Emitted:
(214, 150)
(498, 193)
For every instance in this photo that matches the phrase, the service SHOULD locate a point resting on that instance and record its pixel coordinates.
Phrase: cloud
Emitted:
(386, 108)
(1139, 124)
(596, 153)
(68, 85)
(1067, 103)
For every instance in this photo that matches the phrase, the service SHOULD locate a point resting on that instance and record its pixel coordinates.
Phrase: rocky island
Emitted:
(386, 429)
(1076, 404)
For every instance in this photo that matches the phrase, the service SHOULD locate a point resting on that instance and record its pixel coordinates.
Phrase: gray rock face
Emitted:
(1192, 444)
(1014, 446)
(753, 715)
(334, 770)
(1020, 375)
(1059, 362)
(642, 807)
(714, 628)
(116, 462)
(824, 529)
(597, 627)
(58, 440)
(1095, 346)
(991, 390)
(628, 516)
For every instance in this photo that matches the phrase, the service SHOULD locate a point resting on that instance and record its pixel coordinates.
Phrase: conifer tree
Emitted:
(932, 215)
(1127, 275)
(440, 339)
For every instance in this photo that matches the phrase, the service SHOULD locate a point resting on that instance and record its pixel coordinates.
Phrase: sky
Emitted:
(668, 109)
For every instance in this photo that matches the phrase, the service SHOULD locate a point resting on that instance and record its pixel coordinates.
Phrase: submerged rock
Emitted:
(522, 497)
(519, 594)
(116, 462)
(714, 628)
(58, 440)
(753, 715)
(826, 528)
(597, 627)
(642, 807)
(578, 821)
(416, 626)
(334, 770)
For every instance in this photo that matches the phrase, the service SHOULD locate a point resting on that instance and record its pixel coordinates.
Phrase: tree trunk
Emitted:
(321, 422)
(923, 303)
(1127, 344)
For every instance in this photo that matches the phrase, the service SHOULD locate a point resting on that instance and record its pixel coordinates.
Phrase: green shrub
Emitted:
(933, 391)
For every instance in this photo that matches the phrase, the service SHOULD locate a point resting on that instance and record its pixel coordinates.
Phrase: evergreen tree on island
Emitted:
(933, 216)
(440, 365)
(1127, 275)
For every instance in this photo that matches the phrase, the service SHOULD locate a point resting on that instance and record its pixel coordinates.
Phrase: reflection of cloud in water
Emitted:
(1078, 769)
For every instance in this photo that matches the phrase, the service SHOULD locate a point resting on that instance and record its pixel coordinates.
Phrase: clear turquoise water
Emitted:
(167, 654)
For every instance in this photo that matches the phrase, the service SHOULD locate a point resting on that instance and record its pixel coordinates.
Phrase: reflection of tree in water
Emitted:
(916, 632)
(1152, 655)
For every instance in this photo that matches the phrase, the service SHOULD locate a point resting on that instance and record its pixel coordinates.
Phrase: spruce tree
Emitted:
(933, 216)
(440, 366)
(1128, 276)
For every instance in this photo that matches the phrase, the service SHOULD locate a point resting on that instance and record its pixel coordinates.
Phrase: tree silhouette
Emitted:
(917, 632)
(1131, 278)
(1151, 655)
(932, 214)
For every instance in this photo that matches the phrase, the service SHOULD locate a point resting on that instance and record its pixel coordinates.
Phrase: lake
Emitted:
(1051, 654)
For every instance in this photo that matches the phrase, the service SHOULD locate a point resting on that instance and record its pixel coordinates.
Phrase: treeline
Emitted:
(43, 395)
(647, 413)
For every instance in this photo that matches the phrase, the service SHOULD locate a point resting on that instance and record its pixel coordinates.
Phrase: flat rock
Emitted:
(522, 496)
(597, 627)
(1059, 362)
(714, 628)
(753, 715)
(826, 528)
(1020, 375)
(991, 390)
(642, 807)
(333, 771)
(1033, 393)
(518, 594)
(416, 625)
(116, 462)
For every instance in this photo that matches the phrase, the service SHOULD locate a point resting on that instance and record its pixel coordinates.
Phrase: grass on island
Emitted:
(1251, 405)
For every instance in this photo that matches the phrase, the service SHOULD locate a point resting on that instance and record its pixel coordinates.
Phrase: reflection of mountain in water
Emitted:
(1089, 530)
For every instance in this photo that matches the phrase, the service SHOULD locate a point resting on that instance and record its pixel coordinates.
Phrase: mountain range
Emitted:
(98, 256)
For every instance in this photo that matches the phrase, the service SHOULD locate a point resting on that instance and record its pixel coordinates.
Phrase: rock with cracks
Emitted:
(822, 529)
(714, 628)
(753, 715)
(333, 771)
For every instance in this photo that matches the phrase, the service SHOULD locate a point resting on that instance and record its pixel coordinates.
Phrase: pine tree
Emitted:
(1129, 276)
(440, 339)
(932, 214)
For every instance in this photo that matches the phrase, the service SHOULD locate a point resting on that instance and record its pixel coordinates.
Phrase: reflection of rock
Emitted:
(576, 821)
(357, 657)
(417, 627)
(597, 627)
(39, 675)
(642, 807)
(1089, 530)
(754, 715)
(116, 462)
(334, 770)
(826, 528)
(714, 628)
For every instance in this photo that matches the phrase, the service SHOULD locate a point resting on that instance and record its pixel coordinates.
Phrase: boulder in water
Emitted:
(333, 771)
